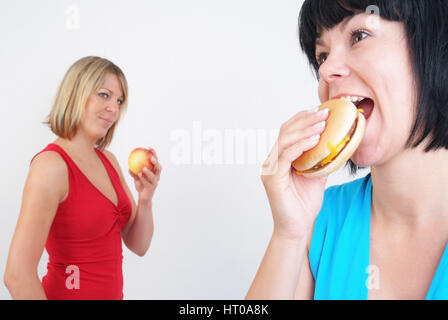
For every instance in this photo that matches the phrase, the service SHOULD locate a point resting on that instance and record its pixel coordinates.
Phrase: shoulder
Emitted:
(48, 173)
(112, 158)
(347, 190)
(339, 201)
(49, 164)
(338, 198)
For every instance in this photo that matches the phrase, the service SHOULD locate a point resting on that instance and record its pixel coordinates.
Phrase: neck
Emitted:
(80, 144)
(411, 188)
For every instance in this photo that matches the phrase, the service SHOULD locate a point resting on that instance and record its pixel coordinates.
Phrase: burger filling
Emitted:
(334, 150)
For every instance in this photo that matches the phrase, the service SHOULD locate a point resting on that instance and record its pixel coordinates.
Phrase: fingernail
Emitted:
(324, 111)
(314, 138)
(153, 160)
(321, 124)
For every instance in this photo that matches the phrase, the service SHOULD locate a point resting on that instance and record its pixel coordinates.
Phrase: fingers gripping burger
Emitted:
(340, 139)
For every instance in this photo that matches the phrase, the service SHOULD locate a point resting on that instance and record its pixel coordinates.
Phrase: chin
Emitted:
(363, 158)
(98, 135)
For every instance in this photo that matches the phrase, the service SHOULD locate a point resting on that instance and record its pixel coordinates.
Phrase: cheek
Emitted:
(399, 90)
(93, 107)
(89, 108)
(323, 91)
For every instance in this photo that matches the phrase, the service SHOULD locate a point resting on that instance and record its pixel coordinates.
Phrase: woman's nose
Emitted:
(113, 108)
(334, 68)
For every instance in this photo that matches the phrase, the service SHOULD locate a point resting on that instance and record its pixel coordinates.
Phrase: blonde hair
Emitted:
(84, 77)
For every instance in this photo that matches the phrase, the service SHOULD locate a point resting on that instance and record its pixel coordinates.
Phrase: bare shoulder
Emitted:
(113, 159)
(51, 157)
(45, 186)
(48, 163)
(48, 171)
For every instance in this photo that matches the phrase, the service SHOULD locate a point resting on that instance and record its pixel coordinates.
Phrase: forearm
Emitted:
(279, 272)
(139, 236)
(23, 288)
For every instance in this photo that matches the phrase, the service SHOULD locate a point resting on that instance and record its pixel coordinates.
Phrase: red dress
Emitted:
(84, 242)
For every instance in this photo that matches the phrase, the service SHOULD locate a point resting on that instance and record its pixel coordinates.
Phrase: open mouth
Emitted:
(366, 104)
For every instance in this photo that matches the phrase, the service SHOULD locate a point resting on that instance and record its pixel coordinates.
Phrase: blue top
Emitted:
(340, 247)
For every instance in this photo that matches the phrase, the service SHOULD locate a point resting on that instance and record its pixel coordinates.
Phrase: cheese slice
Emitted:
(334, 151)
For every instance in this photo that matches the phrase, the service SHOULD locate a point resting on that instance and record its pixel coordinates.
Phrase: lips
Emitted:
(106, 120)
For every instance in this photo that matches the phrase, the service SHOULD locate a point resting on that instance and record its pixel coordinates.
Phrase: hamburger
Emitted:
(340, 139)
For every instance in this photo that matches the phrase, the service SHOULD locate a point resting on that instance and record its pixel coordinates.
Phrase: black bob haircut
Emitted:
(426, 26)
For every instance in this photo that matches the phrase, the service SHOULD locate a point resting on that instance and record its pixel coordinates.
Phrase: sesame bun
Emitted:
(344, 131)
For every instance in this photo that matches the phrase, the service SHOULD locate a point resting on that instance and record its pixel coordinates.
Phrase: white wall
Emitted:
(194, 67)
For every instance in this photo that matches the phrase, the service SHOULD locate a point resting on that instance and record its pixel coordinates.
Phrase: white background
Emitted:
(227, 65)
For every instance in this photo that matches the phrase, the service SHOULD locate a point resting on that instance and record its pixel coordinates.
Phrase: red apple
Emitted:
(140, 158)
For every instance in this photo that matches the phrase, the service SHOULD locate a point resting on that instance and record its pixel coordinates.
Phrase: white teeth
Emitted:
(353, 98)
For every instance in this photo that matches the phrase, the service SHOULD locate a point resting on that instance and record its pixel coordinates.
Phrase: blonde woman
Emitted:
(76, 202)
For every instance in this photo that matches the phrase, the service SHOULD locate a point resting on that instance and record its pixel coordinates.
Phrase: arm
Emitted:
(46, 185)
(305, 287)
(279, 271)
(284, 260)
(137, 234)
(295, 202)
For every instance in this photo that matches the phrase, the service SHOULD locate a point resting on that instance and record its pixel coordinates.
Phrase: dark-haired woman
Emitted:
(383, 236)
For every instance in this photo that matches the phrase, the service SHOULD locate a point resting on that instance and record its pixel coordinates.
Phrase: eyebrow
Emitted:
(342, 27)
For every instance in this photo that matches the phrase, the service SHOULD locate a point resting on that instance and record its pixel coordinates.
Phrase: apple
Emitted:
(140, 158)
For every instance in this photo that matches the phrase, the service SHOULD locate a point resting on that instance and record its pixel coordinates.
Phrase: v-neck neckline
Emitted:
(90, 182)
(442, 261)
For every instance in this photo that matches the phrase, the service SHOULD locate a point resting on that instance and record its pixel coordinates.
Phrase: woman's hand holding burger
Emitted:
(310, 146)
(294, 199)
(295, 202)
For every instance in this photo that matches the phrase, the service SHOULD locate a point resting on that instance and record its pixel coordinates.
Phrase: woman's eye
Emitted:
(321, 58)
(358, 35)
(119, 102)
(103, 95)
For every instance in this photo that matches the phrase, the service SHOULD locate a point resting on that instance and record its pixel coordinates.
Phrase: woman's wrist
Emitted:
(296, 239)
(145, 204)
